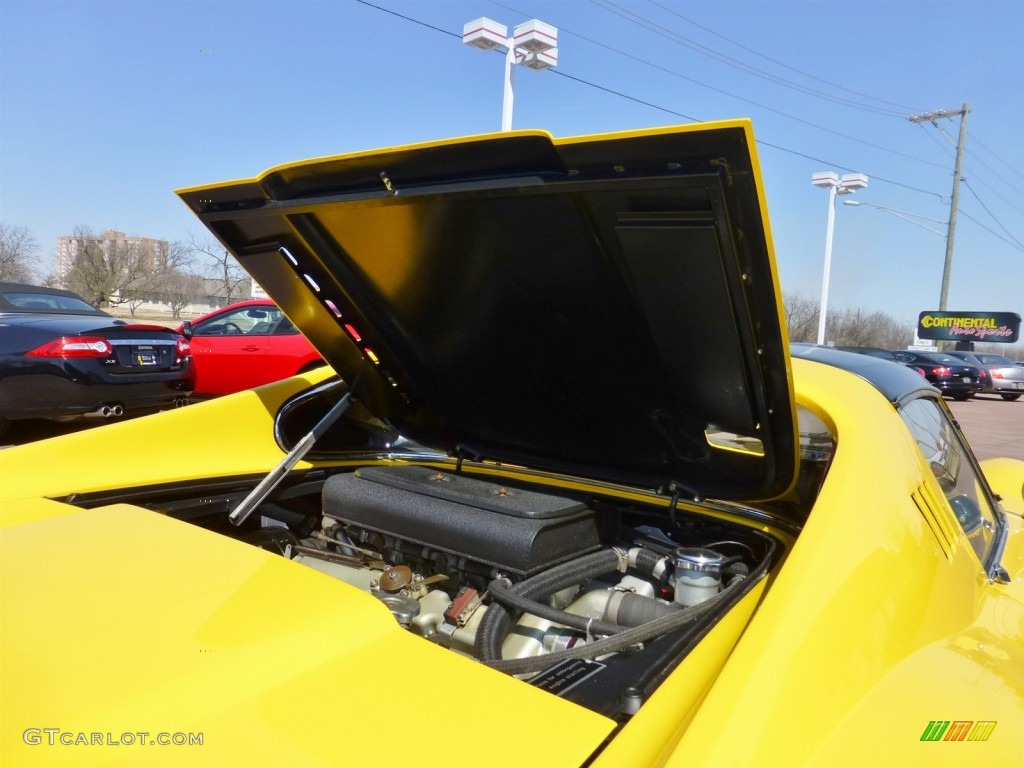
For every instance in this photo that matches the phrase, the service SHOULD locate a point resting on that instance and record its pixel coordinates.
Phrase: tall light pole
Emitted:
(532, 44)
(848, 184)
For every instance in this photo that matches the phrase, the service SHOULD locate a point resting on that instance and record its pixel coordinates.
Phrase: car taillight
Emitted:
(73, 346)
(922, 372)
(996, 374)
(943, 372)
(184, 348)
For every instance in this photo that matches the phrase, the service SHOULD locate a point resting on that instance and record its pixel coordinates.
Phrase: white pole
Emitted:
(510, 68)
(828, 263)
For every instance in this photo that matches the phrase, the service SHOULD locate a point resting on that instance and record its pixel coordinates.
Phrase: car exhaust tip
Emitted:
(117, 410)
(180, 402)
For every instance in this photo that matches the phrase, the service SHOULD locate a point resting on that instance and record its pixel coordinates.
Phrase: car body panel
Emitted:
(252, 663)
(866, 610)
(891, 636)
(838, 590)
(261, 350)
(670, 230)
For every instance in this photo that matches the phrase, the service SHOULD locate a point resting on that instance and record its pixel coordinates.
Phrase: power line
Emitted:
(1012, 242)
(992, 232)
(780, 63)
(1009, 234)
(998, 175)
(1001, 161)
(624, 95)
(409, 18)
(675, 37)
(667, 110)
(731, 95)
(984, 183)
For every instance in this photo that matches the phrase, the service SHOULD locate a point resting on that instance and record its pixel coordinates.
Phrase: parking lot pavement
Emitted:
(994, 427)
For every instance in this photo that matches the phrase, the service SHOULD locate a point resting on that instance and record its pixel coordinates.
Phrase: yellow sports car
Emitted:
(565, 497)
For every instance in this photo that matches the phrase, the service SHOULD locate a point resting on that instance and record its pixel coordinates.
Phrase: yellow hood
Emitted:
(119, 622)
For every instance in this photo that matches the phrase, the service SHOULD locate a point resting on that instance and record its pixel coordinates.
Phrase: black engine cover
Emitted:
(521, 532)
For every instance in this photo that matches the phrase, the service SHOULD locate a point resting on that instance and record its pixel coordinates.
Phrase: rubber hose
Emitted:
(615, 643)
(631, 610)
(497, 622)
(510, 599)
(650, 562)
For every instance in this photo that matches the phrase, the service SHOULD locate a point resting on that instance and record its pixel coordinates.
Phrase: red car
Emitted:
(246, 345)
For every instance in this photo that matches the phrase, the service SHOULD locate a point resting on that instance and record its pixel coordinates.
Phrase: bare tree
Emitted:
(801, 317)
(180, 289)
(179, 285)
(218, 264)
(92, 275)
(857, 328)
(18, 259)
(112, 269)
(846, 327)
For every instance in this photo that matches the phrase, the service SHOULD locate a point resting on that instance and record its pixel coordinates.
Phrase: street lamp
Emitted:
(532, 44)
(848, 184)
(906, 216)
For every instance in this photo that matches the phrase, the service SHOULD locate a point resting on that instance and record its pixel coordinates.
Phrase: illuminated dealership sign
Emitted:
(969, 326)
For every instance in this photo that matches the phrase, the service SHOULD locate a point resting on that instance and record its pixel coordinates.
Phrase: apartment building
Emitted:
(111, 242)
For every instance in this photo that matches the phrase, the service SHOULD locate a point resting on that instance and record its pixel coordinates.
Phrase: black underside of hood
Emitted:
(604, 306)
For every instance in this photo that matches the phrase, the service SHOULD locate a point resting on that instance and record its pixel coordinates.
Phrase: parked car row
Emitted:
(999, 375)
(63, 359)
(951, 375)
(959, 375)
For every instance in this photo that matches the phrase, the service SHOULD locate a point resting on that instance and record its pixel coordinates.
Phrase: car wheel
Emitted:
(961, 396)
(1004, 395)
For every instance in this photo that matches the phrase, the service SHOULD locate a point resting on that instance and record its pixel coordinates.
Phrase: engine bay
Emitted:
(592, 599)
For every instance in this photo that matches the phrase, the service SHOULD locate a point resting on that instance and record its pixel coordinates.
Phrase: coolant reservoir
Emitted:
(698, 575)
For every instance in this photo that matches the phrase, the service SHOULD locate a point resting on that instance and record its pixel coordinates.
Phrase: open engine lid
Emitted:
(605, 306)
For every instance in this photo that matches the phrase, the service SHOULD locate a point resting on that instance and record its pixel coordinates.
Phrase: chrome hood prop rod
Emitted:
(241, 513)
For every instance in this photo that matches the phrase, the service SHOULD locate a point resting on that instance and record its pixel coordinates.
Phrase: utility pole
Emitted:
(931, 117)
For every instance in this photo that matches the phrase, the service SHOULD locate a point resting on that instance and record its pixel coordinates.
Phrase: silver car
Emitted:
(999, 375)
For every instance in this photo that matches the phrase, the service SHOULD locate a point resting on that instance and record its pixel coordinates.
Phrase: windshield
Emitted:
(938, 357)
(48, 302)
(995, 360)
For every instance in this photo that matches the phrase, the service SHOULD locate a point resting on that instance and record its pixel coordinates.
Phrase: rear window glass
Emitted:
(48, 302)
(995, 360)
(938, 357)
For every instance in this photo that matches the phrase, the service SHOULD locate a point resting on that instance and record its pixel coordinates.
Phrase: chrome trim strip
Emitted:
(149, 342)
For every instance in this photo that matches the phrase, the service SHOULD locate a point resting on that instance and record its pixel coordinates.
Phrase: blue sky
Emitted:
(107, 107)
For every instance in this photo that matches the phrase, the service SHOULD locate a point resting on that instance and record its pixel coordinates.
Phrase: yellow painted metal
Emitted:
(869, 631)
(650, 735)
(228, 436)
(1006, 476)
(879, 620)
(133, 622)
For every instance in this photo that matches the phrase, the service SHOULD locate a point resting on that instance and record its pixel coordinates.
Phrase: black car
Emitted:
(952, 376)
(61, 358)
